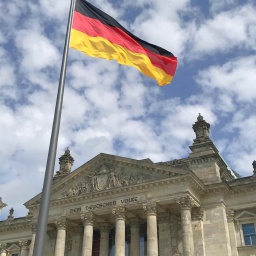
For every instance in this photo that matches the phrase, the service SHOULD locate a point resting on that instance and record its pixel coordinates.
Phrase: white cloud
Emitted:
(235, 79)
(113, 109)
(226, 31)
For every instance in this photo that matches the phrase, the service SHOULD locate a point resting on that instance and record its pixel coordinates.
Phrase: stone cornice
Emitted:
(15, 225)
(189, 178)
(238, 186)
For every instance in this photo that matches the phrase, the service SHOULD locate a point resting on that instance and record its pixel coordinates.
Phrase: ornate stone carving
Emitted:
(230, 215)
(61, 223)
(201, 129)
(185, 202)
(150, 208)
(106, 177)
(3, 247)
(23, 244)
(197, 214)
(66, 161)
(119, 212)
(10, 217)
(87, 218)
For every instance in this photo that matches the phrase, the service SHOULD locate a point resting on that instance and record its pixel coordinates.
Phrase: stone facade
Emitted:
(111, 205)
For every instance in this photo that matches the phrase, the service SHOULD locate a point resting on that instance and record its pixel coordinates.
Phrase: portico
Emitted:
(137, 226)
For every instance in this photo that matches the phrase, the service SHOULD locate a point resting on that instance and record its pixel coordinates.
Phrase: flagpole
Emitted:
(48, 179)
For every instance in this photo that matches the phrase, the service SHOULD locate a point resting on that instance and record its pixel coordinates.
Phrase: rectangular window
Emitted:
(249, 234)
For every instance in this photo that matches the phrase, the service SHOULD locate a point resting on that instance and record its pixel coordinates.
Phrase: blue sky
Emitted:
(114, 109)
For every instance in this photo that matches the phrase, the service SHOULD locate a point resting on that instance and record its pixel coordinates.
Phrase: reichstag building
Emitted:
(117, 206)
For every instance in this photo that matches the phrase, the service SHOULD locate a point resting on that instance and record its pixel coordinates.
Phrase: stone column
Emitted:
(135, 236)
(232, 232)
(23, 248)
(164, 234)
(104, 239)
(31, 247)
(3, 249)
(61, 237)
(152, 243)
(119, 213)
(87, 219)
(186, 204)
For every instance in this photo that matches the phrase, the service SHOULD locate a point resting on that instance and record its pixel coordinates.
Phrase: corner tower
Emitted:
(205, 160)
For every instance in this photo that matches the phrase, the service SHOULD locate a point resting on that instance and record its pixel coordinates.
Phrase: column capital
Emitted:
(163, 217)
(134, 222)
(119, 212)
(3, 247)
(61, 223)
(150, 208)
(23, 244)
(87, 218)
(197, 214)
(185, 202)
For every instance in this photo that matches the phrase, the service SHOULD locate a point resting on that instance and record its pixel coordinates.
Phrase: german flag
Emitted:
(97, 34)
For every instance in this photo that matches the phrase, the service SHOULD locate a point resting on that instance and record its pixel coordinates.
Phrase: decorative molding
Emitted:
(119, 212)
(185, 202)
(104, 178)
(14, 225)
(61, 223)
(23, 244)
(150, 208)
(3, 247)
(87, 218)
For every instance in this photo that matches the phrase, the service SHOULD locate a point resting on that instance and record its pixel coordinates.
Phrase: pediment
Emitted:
(105, 173)
(244, 215)
(13, 247)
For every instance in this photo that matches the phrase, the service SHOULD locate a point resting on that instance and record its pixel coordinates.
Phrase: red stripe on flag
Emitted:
(95, 28)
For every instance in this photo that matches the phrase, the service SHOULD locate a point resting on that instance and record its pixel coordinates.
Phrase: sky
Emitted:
(114, 109)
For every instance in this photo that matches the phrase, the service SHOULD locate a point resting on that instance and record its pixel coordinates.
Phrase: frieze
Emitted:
(109, 203)
(105, 178)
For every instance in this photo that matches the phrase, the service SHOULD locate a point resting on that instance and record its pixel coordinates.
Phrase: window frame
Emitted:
(253, 221)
